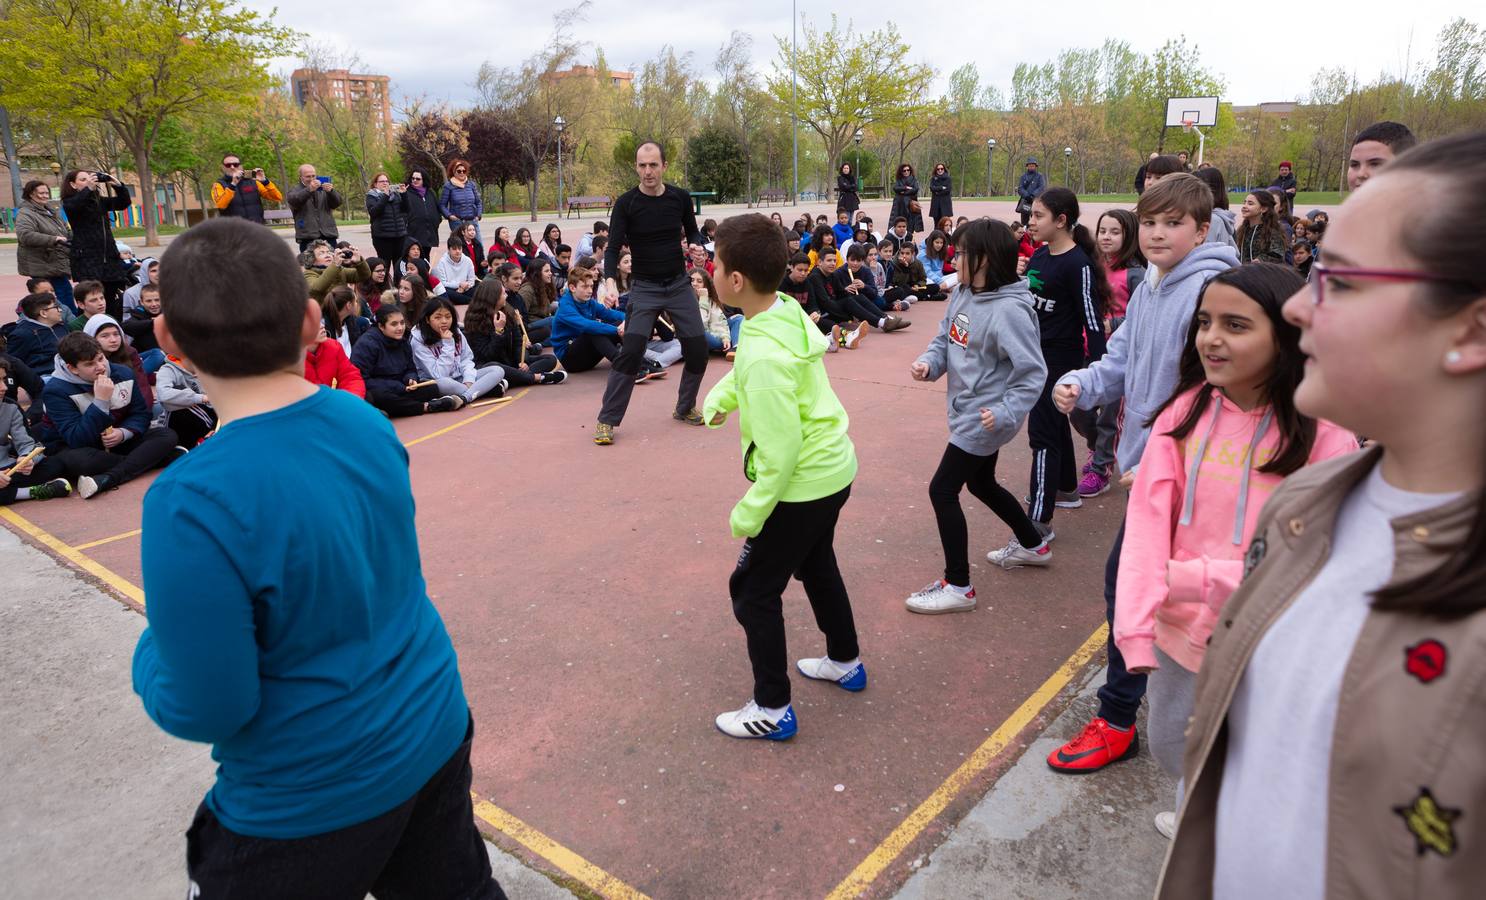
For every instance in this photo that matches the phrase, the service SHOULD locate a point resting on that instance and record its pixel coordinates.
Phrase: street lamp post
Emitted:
(856, 165)
(559, 123)
(794, 103)
(990, 152)
(1067, 158)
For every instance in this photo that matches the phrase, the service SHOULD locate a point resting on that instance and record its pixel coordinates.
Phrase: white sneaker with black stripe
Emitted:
(753, 721)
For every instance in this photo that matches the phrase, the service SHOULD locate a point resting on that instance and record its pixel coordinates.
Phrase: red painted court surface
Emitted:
(586, 591)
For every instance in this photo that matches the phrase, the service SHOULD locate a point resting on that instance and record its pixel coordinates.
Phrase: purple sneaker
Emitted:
(1093, 483)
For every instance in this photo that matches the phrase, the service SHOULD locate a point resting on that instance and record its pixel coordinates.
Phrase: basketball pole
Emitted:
(1201, 142)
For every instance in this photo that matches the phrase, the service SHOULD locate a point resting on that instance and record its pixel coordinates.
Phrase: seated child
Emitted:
(149, 274)
(909, 277)
(385, 360)
(722, 329)
(455, 272)
(188, 412)
(584, 330)
(325, 362)
(92, 302)
(139, 328)
(498, 339)
(111, 338)
(444, 355)
(38, 478)
(94, 410)
(34, 338)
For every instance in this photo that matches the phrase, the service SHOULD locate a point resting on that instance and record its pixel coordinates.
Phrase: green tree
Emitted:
(715, 162)
(135, 63)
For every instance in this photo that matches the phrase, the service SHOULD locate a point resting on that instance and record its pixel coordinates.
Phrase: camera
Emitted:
(103, 176)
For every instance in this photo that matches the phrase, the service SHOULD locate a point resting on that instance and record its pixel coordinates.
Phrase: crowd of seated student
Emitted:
(498, 336)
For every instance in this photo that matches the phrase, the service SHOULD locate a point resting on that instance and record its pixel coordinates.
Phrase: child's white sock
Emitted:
(962, 591)
(881, 322)
(22, 494)
(776, 712)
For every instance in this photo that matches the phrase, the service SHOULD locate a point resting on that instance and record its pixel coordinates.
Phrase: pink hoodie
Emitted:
(1186, 534)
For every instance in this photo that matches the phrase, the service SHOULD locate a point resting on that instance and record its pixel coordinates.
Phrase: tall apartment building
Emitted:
(346, 88)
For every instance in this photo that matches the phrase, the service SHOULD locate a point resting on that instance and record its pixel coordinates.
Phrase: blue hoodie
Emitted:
(73, 417)
(574, 318)
(1141, 361)
(843, 234)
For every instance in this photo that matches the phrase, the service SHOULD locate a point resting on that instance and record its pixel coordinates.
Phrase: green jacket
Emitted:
(795, 446)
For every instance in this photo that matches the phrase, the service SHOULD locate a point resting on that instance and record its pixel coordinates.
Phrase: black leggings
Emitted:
(588, 350)
(535, 365)
(959, 469)
(1054, 464)
(856, 307)
(399, 404)
(42, 471)
(389, 249)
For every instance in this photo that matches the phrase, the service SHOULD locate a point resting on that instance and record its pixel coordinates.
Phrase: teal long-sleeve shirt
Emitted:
(289, 623)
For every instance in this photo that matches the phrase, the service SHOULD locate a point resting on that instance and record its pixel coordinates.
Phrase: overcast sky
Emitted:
(1264, 53)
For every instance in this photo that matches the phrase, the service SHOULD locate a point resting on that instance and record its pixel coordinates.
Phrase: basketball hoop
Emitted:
(1189, 121)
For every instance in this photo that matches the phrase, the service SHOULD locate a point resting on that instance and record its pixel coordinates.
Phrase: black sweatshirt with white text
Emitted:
(1066, 301)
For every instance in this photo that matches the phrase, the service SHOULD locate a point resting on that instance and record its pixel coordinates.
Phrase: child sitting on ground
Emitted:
(139, 327)
(385, 360)
(39, 477)
(444, 355)
(797, 454)
(90, 300)
(111, 338)
(188, 412)
(497, 337)
(585, 331)
(722, 329)
(455, 272)
(325, 362)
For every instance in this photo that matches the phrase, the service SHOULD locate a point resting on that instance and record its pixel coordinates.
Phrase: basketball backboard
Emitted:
(1181, 111)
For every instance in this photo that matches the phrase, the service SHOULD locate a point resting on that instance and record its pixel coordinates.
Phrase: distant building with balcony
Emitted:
(617, 79)
(346, 88)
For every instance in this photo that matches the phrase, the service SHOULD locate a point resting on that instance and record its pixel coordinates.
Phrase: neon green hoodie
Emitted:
(795, 446)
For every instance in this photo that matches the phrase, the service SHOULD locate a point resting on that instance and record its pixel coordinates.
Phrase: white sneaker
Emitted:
(1166, 824)
(752, 722)
(86, 487)
(938, 598)
(835, 339)
(1014, 554)
(849, 676)
(854, 338)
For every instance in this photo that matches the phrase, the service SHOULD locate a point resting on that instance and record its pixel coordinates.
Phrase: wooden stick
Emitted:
(35, 452)
(429, 383)
(494, 401)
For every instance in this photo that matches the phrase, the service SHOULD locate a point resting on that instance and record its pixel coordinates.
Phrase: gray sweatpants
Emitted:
(1171, 691)
(648, 299)
(485, 381)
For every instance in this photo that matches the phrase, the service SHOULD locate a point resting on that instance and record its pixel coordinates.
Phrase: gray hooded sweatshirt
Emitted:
(15, 440)
(990, 345)
(1220, 230)
(1141, 361)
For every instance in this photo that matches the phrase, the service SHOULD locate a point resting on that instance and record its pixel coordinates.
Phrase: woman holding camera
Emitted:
(388, 208)
(44, 242)
(326, 267)
(95, 254)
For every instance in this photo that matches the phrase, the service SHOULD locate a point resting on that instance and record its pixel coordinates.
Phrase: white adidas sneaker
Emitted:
(753, 722)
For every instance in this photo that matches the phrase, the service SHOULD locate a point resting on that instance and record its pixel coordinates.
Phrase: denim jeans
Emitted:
(714, 343)
(62, 288)
(152, 359)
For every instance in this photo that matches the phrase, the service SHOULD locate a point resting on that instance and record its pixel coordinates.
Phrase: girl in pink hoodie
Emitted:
(1224, 441)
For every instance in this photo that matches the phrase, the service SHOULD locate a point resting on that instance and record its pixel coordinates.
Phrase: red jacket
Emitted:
(326, 363)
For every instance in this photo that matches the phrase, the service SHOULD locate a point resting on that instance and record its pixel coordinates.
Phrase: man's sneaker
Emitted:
(1093, 484)
(895, 323)
(853, 339)
(1098, 745)
(938, 598)
(1014, 555)
(556, 376)
(823, 668)
(51, 490)
(1166, 824)
(603, 434)
(446, 403)
(89, 486)
(1063, 499)
(692, 416)
(752, 722)
(176, 453)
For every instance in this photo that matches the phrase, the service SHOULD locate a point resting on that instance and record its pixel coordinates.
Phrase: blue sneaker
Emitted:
(823, 668)
(752, 722)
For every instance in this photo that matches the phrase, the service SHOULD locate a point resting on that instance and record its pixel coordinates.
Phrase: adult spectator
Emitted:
(847, 198)
(585, 243)
(905, 199)
(326, 267)
(460, 200)
(1140, 173)
(388, 208)
(240, 193)
(422, 213)
(1031, 186)
(312, 201)
(1285, 181)
(44, 242)
(1375, 147)
(95, 253)
(941, 191)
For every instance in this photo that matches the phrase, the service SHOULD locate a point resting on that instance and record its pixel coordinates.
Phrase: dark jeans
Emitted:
(1054, 467)
(647, 300)
(850, 307)
(128, 460)
(389, 249)
(399, 404)
(426, 848)
(458, 297)
(958, 469)
(44, 470)
(1119, 697)
(535, 365)
(796, 540)
(588, 350)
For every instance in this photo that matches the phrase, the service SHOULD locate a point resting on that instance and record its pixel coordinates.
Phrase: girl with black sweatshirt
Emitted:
(498, 336)
(1071, 292)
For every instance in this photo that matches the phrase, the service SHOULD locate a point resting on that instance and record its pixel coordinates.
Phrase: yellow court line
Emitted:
(73, 555)
(108, 540)
(592, 876)
(463, 422)
(879, 859)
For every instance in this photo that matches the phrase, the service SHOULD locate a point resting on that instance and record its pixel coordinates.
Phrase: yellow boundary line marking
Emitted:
(574, 865)
(108, 540)
(880, 858)
(73, 555)
(463, 422)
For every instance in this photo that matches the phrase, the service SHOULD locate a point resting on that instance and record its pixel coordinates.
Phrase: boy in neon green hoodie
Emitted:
(801, 463)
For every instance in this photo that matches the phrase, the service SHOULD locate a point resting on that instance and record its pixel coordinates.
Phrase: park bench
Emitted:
(576, 203)
(771, 196)
(278, 217)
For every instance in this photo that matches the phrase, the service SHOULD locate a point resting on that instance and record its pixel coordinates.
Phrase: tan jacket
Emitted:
(1407, 791)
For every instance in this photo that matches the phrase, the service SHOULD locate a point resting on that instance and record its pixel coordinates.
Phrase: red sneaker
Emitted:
(1098, 745)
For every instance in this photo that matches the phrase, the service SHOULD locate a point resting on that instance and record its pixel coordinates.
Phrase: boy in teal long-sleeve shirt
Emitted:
(801, 462)
(316, 666)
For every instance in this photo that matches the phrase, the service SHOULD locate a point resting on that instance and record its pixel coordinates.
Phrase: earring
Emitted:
(1452, 358)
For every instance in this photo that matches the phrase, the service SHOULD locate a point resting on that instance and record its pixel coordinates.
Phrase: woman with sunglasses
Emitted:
(940, 189)
(1335, 747)
(460, 200)
(422, 211)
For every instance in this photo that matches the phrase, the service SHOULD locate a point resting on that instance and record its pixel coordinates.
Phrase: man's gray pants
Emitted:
(647, 300)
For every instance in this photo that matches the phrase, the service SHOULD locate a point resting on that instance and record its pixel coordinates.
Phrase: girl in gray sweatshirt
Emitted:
(989, 346)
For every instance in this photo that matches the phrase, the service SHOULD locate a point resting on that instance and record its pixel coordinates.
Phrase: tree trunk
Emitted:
(200, 199)
(146, 194)
(12, 164)
(278, 155)
(533, 193)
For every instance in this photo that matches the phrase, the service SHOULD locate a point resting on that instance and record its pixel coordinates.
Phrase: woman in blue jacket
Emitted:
(460, 199)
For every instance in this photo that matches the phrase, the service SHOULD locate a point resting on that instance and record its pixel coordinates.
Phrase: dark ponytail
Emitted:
(1063, 202)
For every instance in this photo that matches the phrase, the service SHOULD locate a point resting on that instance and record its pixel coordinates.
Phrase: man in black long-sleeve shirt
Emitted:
(649, 219)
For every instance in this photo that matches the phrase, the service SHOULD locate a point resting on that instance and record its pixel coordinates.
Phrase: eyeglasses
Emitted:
(1324, 274)
(236, 165)
(417, 177)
